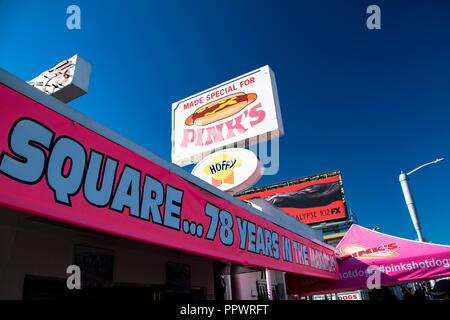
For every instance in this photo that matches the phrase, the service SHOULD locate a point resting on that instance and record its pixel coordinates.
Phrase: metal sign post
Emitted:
(268, 284)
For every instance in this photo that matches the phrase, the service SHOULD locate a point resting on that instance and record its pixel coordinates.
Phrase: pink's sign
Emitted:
(56, 168)
(398, 261)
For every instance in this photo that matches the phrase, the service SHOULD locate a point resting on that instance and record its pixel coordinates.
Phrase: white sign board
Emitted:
(239, 112)
(66, 81)
(232, 170)
(356, 295)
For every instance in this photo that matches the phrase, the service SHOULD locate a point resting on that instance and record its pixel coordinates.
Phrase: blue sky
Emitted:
(368, 102)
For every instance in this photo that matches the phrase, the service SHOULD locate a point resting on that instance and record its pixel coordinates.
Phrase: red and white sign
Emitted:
(245, 108)
(349, 296)
(385, 251)
(310, 202)
(55, 167)
(66, 81)
(231, 170)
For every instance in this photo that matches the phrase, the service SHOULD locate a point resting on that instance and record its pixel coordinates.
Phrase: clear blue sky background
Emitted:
(368, 102)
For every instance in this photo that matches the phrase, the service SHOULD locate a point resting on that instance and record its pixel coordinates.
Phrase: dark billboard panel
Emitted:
(311, 200)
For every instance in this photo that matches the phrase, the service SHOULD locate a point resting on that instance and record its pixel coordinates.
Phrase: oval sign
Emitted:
(231, 170)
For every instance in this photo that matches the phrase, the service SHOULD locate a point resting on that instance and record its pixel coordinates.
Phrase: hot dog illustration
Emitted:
(220, 109)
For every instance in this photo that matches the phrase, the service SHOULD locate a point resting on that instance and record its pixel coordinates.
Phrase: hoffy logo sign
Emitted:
(232, 170)
(221, 169)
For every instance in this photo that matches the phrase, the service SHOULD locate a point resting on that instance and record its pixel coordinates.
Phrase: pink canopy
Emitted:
(399, 261)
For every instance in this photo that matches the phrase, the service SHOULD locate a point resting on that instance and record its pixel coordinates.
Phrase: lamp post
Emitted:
(409, 197)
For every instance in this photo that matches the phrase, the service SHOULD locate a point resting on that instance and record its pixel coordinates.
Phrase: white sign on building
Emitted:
(66, 81)
(232, 170)
(239, 112)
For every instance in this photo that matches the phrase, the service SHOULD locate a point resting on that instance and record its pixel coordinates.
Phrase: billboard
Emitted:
(311, 200)
(244, 111)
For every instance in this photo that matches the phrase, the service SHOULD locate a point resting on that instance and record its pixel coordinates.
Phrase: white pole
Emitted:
(410, 203)
(409, 198)
(269, 284)
(228, 288)
(284, 287)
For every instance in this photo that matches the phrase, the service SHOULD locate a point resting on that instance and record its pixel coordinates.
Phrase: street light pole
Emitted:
(404, 182)
(411, 204)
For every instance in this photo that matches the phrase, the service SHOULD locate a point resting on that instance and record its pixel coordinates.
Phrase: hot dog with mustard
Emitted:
(220, 109)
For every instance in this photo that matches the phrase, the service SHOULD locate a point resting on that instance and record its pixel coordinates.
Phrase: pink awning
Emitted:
(399, 261)
(60, 165)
